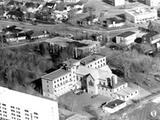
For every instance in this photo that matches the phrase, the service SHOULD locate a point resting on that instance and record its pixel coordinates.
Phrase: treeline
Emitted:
(20, 66)
(137, 68)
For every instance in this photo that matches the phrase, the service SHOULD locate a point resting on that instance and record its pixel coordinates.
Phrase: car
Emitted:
(78, 92)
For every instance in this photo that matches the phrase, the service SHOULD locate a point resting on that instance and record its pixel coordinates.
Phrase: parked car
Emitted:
(78, 92)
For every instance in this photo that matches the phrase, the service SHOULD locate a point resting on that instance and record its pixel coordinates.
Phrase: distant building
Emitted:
(113, 22)
(21, 106)
(152, 3)
(141, 14)
(152, 38)
(154, 26)
(114, 106)
(115, 2)
(89, 47)
(126, 38)
(77, 117)
(71, 1)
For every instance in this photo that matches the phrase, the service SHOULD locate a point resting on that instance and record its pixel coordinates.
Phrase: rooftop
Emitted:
(126, 34)
(8, 94)
(114, 103)
(91, 58)
(114, 19)
(141, 10)
(55, 74)
(70, 62)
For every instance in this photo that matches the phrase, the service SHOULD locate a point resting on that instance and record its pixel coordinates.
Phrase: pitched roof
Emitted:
(91, 58)
(55, 74)
(126, 34)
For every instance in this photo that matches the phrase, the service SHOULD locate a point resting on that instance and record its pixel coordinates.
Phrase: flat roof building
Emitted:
(126, 38)
(21, 106)
(114, 106)
(141, 14)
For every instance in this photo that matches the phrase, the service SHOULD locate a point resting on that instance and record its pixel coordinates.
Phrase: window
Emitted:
(12, 110)
(12, 106)
(35, 113)
(4, 104)
(26, 110)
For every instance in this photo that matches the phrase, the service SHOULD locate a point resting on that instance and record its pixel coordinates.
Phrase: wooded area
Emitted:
(20, 66)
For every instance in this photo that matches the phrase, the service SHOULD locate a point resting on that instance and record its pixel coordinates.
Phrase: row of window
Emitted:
(98, 66)
(62, 78)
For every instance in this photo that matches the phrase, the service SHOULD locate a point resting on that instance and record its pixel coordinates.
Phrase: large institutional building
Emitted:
(90, 73)
(20, 106)
(141, 14)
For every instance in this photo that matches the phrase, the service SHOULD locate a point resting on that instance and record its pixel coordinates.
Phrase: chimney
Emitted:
(114, 78)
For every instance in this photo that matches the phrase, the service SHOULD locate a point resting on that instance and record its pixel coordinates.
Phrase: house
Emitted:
(86, 20)
(114, 106)
(126, 38)
(76, 7)
(113, 22)
(152, 38)
(39, 34)
(21, 106)
(115, 2)
(15, 14)
(51, 5)
(71, 1)
(85, 46)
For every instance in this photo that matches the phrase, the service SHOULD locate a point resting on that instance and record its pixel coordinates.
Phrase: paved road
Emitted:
(63, 27)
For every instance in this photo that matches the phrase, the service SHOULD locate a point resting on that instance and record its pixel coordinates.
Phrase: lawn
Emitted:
(78, 103)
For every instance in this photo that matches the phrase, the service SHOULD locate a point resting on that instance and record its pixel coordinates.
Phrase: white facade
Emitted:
(20, 106)
(110, 109)
(141, 14)
(116, 24)
(115, 2)
(54, 87)
(152, 3)
(63, 80)
(126, 39)
(93, 62)
(72, 1)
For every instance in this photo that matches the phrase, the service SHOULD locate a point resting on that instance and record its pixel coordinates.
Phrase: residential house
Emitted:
(76, 7)
(152, 38)
(71, 1)
(40, 34)
(86, 20)
(115, 2)
(126, 38)
(113, 22)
